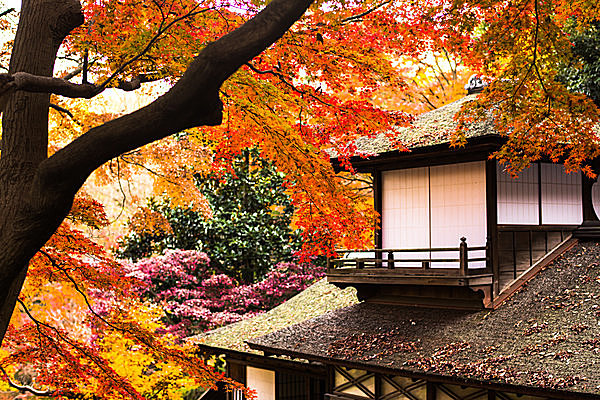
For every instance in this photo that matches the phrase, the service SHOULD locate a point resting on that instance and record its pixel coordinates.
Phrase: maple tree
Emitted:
(79, 315)
(40, 175)
(38, 190)
(310, 91)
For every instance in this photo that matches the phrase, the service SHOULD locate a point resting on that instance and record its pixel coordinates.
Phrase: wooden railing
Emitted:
(386, 259)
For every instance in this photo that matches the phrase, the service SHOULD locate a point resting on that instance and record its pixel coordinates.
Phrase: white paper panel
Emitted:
(458, 208)
(405, 212)
(561, 195)
(261, 380)
(518, 202)
(596, 197)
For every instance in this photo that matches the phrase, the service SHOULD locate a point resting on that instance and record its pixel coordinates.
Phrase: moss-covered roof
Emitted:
(428, 129)
(545, 336)
(318, 299)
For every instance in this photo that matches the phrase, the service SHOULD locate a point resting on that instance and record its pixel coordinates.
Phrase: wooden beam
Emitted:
(491, 197)
(378, 204)
(477, 149)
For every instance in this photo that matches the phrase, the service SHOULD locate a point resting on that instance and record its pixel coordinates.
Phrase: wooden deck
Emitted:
(446, 266)
(454, 277)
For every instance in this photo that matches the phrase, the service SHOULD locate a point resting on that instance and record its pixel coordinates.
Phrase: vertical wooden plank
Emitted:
(587, 206)
(378, 204)
(377, 386)
(539, 174)
(491, 198)
(390, 260)
(431, 391)
(330, 379)
(277, 385)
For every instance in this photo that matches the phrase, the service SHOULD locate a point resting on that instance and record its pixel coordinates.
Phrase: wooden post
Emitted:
(488, 255)
(378, 258)
(491, 193)
(390, 260)
(464, 256)
(590, 228)
(431, 391)
(360, 264)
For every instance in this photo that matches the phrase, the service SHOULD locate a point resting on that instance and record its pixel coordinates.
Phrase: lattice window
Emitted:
(455, 392)
(355, 382)
(400, 388)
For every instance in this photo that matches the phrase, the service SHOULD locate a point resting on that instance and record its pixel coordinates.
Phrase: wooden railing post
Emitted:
(360, 264)
(378, 257)
(390, 260)
(488, 255)
(464, 256)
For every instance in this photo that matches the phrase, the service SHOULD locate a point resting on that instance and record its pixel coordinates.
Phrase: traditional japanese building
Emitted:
(479, 286)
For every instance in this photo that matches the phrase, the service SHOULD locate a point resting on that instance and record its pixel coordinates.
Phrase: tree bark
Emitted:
(23, 230)
(36, 191)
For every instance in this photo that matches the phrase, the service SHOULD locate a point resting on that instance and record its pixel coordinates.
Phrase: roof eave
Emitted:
(520, 389)
(477, 148)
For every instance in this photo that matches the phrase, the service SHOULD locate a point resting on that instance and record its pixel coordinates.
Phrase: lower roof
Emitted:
(319, 298)
(547, 335)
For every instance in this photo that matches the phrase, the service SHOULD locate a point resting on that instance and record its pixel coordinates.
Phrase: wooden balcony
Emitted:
(443, 266)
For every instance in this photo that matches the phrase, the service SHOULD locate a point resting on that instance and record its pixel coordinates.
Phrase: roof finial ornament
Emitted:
(475, 84)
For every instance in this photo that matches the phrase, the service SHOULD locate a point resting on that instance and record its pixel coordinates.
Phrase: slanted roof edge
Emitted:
(521, 389)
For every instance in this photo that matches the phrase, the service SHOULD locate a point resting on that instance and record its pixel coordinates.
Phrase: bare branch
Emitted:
(3, 13)
(277, 74)
(70, 75)
(62, 87)
(42, 84)
(363, 14)
(62, 110)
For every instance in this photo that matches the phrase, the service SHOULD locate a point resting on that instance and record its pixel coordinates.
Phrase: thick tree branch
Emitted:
(193, 101)
(62, 87)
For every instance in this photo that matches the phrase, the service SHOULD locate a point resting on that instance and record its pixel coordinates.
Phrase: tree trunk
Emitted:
(25, 222)
(36, 192)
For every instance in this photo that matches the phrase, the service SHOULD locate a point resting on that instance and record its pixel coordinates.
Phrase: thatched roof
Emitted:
(428, 129)
(545, 336)
(318, 299)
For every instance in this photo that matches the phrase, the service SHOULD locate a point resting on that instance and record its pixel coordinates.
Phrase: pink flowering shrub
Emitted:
(197, 298)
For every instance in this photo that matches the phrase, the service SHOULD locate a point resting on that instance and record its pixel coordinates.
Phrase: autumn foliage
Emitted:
(306, 97)
(80, 328)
